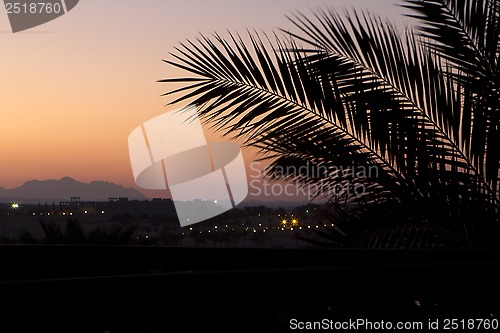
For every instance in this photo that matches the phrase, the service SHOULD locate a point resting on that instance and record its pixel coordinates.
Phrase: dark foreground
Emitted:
(161, 289)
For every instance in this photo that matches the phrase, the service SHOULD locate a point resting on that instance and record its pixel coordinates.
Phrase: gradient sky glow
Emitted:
(73, 89)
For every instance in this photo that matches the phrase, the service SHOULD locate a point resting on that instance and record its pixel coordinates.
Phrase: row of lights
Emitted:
(283, 227)
(70, 213)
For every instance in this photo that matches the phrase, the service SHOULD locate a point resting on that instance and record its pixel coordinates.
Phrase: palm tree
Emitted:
(348, 92)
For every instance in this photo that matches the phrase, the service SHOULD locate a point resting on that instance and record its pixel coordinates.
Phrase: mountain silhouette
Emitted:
(52, 190)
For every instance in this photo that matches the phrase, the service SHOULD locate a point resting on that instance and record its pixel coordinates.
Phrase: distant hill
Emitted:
(41, 191)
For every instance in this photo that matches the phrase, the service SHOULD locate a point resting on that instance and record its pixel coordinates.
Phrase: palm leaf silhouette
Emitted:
(356, 93)
(467, 35)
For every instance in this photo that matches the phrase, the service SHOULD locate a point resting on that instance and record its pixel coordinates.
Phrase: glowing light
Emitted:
(283, 222)
(14, 205)
(85, 212)
(215, 227)
(215, 201)
(295, 222)
(190, 229)
(102, 211)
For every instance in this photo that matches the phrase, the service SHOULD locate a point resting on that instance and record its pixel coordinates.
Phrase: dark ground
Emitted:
(162, 289)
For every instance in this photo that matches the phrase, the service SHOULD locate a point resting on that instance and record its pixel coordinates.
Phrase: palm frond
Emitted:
(466, 33)
(414, 74)
(276, 98)
(359, 93)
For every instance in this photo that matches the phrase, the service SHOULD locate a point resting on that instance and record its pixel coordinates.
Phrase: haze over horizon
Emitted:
(54, 190)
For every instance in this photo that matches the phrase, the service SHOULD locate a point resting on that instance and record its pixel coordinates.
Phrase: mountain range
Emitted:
(52, 190)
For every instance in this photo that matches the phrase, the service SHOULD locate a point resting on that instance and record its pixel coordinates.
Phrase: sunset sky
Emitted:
(73, 89)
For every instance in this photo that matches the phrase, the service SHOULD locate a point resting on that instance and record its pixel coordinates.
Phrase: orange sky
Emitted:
(73, 89)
